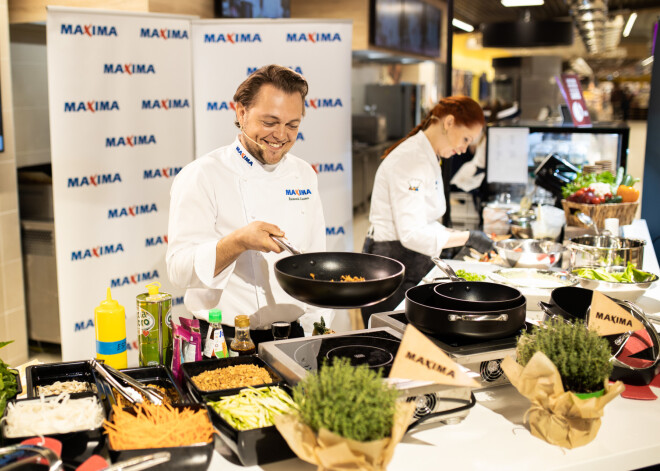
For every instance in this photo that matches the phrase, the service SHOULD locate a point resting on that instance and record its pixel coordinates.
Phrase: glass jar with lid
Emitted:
(242, 345)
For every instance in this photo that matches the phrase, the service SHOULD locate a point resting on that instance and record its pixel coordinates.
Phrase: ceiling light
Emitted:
(462, 25)
(629, 25)
(522, 3)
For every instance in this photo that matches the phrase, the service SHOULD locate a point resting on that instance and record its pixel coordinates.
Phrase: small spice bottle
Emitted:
(242, 345)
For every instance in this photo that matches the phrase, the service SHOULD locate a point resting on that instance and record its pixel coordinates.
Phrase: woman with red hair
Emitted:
(408, 195)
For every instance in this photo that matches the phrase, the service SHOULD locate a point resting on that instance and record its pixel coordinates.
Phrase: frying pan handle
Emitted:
(549, 312)
(478, 317)
(284, 243)
(446, 269)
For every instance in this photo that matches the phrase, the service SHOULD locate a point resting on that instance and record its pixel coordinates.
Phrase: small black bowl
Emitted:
(252, 447)
(194, 368)
(49, 373)
(195, 457)
(74, 444)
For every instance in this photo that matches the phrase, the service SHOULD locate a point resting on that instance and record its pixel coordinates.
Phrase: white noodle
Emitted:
(59, 387)
(47, 416)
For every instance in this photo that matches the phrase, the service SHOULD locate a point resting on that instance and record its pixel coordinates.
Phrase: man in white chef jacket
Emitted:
(226, 205)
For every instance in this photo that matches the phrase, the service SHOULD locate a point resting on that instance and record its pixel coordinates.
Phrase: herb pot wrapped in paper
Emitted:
(349, 419)
(558, 363)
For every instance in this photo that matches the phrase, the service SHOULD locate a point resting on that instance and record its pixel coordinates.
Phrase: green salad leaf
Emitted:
(8, 385)
(629, 275)
(583, 180)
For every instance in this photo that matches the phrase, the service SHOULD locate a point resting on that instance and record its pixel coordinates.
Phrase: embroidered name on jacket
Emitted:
(298, 194)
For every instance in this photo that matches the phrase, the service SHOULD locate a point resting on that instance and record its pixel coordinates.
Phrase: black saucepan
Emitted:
(424, 312)
(473, 295)
(382, 276)
(572, 303)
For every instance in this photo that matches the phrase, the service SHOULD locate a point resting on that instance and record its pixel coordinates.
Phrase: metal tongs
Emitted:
(285, 244)
(135, 393)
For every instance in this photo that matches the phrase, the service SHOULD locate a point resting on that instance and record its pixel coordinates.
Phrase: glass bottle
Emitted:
(242, 345)
(216, 345)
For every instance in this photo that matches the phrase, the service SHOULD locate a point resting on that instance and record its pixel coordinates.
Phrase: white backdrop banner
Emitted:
(120, 96)
(225, 52)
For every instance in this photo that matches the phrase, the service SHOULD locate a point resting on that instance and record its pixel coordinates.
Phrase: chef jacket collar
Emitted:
(427, 146)
(256, 165)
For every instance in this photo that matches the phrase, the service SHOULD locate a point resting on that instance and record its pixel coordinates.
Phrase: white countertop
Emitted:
(494, 437)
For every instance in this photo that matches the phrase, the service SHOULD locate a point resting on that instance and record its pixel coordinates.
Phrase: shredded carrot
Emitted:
(151, 426)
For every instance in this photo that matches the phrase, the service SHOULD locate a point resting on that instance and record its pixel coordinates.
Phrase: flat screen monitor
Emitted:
(411, 26)
(253, 8)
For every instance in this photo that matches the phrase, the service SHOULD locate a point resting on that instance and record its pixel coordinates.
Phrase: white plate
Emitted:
(533, 278)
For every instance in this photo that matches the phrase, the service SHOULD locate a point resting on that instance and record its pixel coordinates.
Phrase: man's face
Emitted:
(272, 122)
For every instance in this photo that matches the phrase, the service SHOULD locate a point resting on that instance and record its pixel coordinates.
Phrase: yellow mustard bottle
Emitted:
(110, 325)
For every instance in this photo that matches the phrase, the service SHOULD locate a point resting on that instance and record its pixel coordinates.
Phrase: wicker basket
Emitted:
(624, 212)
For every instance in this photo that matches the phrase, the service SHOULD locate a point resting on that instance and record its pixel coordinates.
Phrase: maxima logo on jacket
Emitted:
(312, 37)
(232, 38)
(93, 180)
(96, 252)
(163, 33)
(92, 105)
(328, 167)
(130, 141)
(129, 69)
(88, 30)
(136, 210)
(166, 104)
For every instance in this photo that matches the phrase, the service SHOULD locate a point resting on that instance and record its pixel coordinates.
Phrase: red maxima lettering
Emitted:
(311, 37)
(90, 106)
(164, 103)
(88, 30)
(162, 33)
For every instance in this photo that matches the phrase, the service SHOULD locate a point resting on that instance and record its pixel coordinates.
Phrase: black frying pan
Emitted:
(425, 311)
(474, 295)
(382, 275)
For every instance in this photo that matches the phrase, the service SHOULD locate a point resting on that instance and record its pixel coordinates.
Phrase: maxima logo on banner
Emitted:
(232, 38)
(220, 106)
(129, 69)
(136, 210)
(130, 141)
(88, 30)
(93, 180)
(155, 241)
(92, 106)
(166, 172)
(96, 252)
(163, 33)
(331, 167)
(317, 103)
(312, 37)
(334, 231)
(134, 279)
(166, 104)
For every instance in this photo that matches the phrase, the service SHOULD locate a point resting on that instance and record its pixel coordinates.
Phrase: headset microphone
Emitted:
(261, 146)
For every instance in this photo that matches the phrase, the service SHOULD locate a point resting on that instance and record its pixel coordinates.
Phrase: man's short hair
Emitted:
(282, 78)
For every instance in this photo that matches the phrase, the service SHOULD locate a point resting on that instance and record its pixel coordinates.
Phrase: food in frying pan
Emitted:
(344, 278)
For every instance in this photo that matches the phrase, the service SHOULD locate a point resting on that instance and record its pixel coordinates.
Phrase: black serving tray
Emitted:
(158, 375)
(76, 446)
(46, 374)
(194, 368)
(252, 447)
(191, 458)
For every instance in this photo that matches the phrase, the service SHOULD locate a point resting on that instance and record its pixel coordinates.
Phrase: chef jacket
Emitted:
(225, 190)
(408, 198)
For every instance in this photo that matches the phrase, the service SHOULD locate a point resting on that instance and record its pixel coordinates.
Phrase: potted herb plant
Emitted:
(563, 369)
(346, 415)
